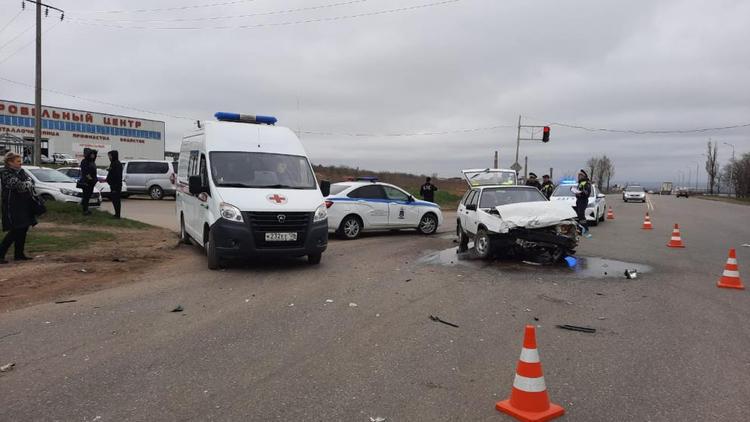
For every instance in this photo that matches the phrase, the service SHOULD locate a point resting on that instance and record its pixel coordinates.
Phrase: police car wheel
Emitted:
(428, 224)
(350, 228)
(482, 244)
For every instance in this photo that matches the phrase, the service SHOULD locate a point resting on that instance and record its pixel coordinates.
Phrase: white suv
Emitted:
(156, 178)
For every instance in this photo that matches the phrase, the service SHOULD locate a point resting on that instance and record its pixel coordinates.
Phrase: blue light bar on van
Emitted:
(245, 118)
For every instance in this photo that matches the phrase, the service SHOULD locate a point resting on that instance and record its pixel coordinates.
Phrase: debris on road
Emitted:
(65, 301)
(7, 367)
(437, 319)
(746, 245)
(631, 274)
(571, 261)
(329, 300)
(577, 328)
(352, 305)
(407, 280)
(291, 304)
(119, 260)
(377, 419)
(531, 263)
(601, 318)
(178, 308)
(83, 270)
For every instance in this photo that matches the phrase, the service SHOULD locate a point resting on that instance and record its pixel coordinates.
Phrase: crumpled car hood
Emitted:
(534, 215)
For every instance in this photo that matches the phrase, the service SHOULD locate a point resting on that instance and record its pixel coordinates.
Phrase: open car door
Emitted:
(490, 177)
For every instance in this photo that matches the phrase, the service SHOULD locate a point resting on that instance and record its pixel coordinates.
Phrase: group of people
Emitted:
(21, 206)
(582, 192)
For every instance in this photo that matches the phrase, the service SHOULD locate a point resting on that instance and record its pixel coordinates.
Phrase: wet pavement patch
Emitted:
(585, 267)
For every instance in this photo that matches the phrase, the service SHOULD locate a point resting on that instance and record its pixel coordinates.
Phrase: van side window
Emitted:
(203, 172)
(193, 163)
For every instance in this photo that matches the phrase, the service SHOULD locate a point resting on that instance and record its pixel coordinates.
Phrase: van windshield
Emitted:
(261, 170)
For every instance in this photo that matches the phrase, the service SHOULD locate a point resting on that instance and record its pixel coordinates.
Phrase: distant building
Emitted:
(69, 131)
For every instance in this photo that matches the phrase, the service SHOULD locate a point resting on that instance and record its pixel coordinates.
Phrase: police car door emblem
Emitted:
(401, 214)
(281, 218)
(276, 199)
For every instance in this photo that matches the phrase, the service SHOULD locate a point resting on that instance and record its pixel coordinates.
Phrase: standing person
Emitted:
(114, 179)
(427, 191)
(532, 181)
(582, 192)
(547, 186)
(17, 206)
(88, 178)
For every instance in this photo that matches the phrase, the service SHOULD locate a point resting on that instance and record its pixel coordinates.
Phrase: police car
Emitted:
(597, 207)
(369, 205)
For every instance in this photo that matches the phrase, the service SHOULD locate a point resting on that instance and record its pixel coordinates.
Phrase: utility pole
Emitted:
(550, 174)
(525, 168)
(731, 169)
(38, 83)
(495, 162)
(518, 145)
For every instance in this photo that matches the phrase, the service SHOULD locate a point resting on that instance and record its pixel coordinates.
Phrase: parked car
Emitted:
(101, 186)
(683, 192)
(46, 160)
(60, 158)
(55, 186)
(514, 220)
(596, 211)
(634, 193)
(368, 205)
(156, 178)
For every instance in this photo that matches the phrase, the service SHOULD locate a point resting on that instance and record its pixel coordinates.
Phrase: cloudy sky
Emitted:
(332, 69)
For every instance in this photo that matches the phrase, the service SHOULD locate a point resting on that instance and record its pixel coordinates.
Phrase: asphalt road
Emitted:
(263, 343)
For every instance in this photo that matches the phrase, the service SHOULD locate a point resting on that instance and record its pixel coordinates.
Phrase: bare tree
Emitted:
(592, 165)
(712, 165)
(609, 171)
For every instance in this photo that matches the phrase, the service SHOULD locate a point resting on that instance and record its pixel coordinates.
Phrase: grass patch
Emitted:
(443, 198)
(741, 201)
(60, 240)
(68, 213)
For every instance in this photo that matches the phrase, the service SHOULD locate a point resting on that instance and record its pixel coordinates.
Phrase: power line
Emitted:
(268, 13)
(288, 23)
(407, 134)
(124, 107)
(23, 47)
(18, 36)
(650, 131)
(166, 9)
(11, 21)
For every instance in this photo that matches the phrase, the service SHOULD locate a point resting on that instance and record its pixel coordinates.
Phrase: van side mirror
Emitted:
(325, 187)
(195, 185)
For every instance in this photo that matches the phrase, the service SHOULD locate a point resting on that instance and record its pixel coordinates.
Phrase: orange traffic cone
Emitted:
(610, 214)
(528, 399)
(676, 240)
(731, 277)
(647, 223)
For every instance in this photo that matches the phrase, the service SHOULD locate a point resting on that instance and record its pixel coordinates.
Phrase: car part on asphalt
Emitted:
(577, 328)
(7, 367)
(437, 319)
(631, 274)
(178, 308)
(65, 301)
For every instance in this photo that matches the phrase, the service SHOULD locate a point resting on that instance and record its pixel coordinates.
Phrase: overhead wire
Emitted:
(275, 24)
(22, 33)
(166, 9)
(11, 21)
(23, 47)
(249, 15)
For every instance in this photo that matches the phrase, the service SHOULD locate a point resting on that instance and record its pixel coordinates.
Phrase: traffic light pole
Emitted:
(545, 138)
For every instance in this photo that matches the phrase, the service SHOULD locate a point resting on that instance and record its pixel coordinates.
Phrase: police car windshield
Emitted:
(51, 176)
(563, 190)
(261, 170)
(493, 197)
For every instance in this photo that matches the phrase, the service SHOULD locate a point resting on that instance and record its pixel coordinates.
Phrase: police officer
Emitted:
(428, 190)
(583, 191)
(532, 181)
(547, 186)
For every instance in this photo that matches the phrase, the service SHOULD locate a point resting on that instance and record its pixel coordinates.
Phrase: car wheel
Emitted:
(47, 197)
(212, 256)
(350, 228)
(482, 244)
(314, 259)
(184, 237)
(156, 192)
(463, 239)
(428, 225)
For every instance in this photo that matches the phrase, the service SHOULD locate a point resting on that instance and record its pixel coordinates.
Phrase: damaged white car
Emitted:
(515, 221)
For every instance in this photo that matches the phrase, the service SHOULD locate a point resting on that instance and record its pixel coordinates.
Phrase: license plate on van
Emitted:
(281, 237)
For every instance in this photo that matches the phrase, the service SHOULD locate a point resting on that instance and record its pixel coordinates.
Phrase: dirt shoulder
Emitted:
(71, 259)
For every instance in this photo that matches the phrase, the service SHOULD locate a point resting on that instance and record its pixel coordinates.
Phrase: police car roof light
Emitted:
(245, 118)
(568, 182)
(372, 179)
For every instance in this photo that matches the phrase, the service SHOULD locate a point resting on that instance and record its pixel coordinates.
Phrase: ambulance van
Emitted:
(246, 190)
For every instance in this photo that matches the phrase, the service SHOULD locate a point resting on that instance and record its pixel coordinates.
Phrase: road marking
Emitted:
(649, 204)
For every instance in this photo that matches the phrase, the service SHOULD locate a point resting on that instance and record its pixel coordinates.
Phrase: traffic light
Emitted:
(545, 134)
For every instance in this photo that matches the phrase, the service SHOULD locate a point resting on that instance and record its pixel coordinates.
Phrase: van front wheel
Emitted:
(212, 255)
(184, 237)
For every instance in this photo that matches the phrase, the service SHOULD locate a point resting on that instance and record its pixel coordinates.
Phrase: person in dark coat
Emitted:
(17, 206)
(532, 181)
(88, 178)
(114, 179)
(547, 186)
(583, 191)
(427, 191)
